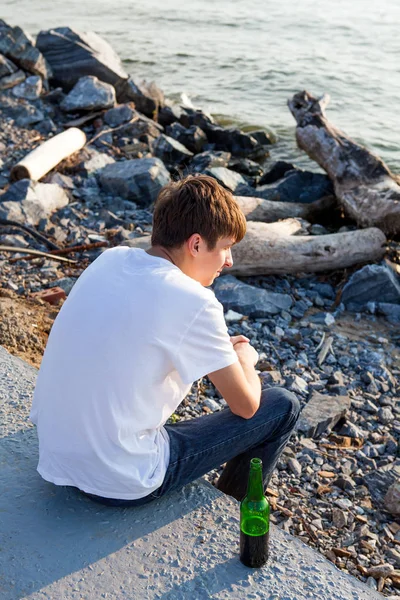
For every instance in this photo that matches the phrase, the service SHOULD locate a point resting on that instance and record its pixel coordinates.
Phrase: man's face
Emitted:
(211, 262)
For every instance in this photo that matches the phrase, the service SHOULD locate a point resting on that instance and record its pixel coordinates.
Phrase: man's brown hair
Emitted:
(196, 204)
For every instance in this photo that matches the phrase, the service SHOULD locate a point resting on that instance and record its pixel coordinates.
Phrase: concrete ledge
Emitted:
(56, 544)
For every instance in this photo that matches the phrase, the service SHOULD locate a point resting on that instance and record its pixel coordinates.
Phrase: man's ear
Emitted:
(194, 244)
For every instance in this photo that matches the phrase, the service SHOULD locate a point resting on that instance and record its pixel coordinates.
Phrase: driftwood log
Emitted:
(268, 211)
(364, 185)
(46, 156)
(274, 248)
(264, 250)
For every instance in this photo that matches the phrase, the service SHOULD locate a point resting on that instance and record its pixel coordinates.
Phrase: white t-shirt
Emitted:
(129, 341)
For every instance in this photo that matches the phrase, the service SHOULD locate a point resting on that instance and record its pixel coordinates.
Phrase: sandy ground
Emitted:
(25, 326)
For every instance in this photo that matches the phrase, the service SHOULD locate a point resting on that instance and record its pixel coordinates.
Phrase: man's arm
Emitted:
(239, 383)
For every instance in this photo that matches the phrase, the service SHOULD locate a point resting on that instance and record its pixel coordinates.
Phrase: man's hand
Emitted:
(244, 350)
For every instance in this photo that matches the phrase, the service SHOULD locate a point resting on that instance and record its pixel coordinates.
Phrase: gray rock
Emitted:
(351, 430)
(7, 67)
(65, 181)
(72, 55)
(212, 404)
(294, 466)
(89, 93)
(27, 202)
(297, 385)
(9, 81)
(233, 140)
(19, 47)
(228, 178)
(170, 151)
(148, 98)
(28, 115)
(206, 160)
(385, 415)
(297, 186)
(299, 309)
(139, 180)
(248, 300)
(66, 284)
(392, 499)
(30, 89)
(94, 161)
(394, 555)
(322, 413)
(380, 481)
(390, 311)
(118, 115)
(322, 317)
(339, 518)
(193, 138)
(344, 482)
(372, 283)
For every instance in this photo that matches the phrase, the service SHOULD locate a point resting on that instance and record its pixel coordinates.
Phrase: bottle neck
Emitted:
(255, 488)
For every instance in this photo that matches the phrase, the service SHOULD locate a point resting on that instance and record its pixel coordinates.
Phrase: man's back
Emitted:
(120, 358)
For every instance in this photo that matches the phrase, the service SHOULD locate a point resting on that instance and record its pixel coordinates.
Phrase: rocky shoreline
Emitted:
(332, 338)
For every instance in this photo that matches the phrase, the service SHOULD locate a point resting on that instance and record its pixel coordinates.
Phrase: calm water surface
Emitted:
(244, 59)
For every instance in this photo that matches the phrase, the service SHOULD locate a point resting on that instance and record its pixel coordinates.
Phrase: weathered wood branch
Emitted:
(264, 251)
(268, 211)
(364, 185)
(274, 248)
(46, 156)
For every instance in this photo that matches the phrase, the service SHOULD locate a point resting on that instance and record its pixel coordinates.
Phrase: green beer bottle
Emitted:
(254, 520)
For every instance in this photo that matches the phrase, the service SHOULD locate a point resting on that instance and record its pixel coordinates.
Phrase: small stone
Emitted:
(294, 466)
(231, 316)
(30, 89)
(339, 518)
(385, 415)
(383, 570)
(212, 404)
(392, 499)
(394, 555)
(343, 503)
(371, 583)
(297, 385)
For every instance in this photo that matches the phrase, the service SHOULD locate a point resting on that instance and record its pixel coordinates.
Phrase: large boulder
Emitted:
(321, 414)
(170, 151)
(248, 300)
(74, 54)
(372, 283)
(89, 94)
(18, 46)
(297, 186)
(27, 202)
(139, 180)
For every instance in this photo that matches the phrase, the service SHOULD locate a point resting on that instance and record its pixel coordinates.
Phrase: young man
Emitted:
(136, 331)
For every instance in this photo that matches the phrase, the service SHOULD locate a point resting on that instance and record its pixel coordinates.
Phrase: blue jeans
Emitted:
(199, 445)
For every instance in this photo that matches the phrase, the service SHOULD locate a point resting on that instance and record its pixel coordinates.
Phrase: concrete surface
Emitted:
(57, 544)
